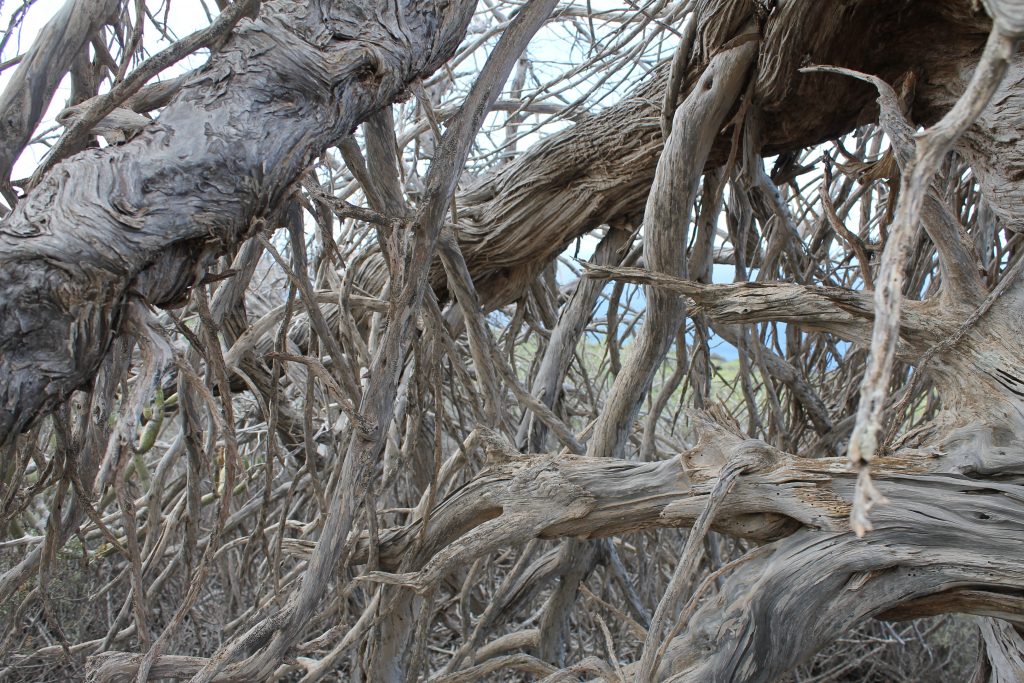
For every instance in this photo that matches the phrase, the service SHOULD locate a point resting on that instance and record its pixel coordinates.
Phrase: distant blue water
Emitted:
(634, 294)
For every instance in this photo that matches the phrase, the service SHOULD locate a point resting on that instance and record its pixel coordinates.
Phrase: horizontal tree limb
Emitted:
(844, 312)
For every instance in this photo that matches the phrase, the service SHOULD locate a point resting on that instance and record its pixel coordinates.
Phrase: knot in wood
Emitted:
(497, 449)
(754, 455)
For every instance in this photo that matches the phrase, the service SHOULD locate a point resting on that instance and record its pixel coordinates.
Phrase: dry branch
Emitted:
(305, 467)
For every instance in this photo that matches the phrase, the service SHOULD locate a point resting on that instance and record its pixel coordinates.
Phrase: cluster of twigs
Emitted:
(214, 438)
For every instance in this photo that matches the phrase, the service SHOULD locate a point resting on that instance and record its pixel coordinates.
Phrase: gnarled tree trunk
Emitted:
(394, 542)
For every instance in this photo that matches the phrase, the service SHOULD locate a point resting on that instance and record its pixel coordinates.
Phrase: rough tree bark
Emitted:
(515, 221)
(141, 222)
(144, 219)
(29, 93)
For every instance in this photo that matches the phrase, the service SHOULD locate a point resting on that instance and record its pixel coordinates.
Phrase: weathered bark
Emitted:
(1003, 659)
(974, 435)
(515, 221)
(547, 384)
(991, 147)
(934, 536)
(941, 533)
(376, 407)
(597, 497)
(949, 539)
(144, 219)
(696, 123)
(579, 178)
(843, 312)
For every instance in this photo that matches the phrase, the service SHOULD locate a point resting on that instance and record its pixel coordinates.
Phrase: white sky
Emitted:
(180, 21)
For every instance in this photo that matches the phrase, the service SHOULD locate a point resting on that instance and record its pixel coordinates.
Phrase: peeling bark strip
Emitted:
(932, 145)
(144, 219)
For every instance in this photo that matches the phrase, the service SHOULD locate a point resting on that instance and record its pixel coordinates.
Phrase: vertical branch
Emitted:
(572, 320)
(696, 124)
(377, 404)
(932, 146)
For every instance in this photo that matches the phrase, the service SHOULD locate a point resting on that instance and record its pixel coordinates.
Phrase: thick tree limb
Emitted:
(143, 219)
(761, 623)
(932, 146)
(376, 407)
(695, 126)
(515, 221)
(844, 312)
(104, 106)
(915, 551)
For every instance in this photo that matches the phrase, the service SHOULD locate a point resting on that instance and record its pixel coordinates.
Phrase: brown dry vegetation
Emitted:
(297, 380)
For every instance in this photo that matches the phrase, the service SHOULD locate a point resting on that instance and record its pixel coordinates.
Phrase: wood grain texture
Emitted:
(144, 219)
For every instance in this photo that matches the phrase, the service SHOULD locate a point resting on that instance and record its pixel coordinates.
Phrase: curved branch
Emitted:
(695, 126)
(29, 92)
(515, 221)
(144, 218)
(772, 614)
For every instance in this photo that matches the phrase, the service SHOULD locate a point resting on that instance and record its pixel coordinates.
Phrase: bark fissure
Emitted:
(145, 218)
(326, 474)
